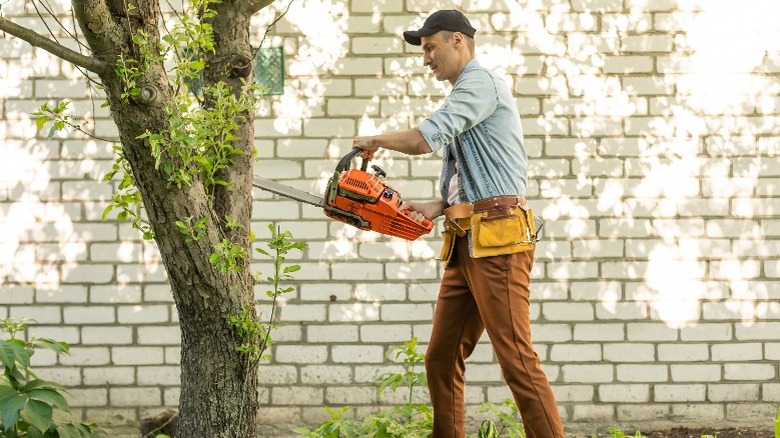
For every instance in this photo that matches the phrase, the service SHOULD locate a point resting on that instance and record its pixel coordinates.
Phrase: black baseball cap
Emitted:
(448, 19)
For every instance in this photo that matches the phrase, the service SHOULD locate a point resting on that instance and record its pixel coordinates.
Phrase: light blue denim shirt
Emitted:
(481, 117)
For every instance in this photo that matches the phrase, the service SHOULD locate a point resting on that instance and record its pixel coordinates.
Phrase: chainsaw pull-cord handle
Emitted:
(345, 161)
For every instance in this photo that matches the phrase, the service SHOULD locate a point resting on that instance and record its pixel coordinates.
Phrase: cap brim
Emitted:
(413, 37)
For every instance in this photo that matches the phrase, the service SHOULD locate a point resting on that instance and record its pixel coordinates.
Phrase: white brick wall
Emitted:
(652, 161)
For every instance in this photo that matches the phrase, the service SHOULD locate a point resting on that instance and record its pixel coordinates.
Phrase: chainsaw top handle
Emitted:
(345, 161)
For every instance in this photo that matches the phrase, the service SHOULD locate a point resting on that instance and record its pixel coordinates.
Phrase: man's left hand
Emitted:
(365, 143)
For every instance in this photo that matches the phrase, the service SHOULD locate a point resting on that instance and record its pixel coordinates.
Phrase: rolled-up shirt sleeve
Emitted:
(473, 99)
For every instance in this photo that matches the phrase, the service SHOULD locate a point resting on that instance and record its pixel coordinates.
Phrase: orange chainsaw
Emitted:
(358, 198)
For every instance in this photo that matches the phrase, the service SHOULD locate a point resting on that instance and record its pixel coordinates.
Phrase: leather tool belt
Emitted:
(499, 225)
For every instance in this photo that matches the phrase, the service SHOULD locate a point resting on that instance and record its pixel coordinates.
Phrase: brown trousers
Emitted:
(487, 293)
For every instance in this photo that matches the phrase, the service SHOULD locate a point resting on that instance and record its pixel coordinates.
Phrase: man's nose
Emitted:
(426, 60)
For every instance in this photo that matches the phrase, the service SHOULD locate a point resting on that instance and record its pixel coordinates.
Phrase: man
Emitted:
(486, 281)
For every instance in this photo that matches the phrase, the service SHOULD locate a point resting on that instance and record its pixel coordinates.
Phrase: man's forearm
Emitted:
(408, 141)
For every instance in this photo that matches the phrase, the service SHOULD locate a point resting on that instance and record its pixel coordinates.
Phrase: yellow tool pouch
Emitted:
(447, 245)
(504, 231)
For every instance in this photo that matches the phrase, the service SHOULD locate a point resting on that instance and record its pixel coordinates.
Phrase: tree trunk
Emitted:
(218, 383)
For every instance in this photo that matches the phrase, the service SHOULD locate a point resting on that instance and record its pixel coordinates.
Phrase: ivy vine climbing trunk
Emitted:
(210, 182)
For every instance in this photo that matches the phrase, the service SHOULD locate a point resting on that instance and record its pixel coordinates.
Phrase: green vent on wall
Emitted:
(269, 70)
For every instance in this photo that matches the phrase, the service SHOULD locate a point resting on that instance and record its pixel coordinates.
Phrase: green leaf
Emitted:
(12, 352)
(7, 391)
(9, 410)
(41, 121)
(293, 268)
(51, 397)
(38, 414)
(55, 346)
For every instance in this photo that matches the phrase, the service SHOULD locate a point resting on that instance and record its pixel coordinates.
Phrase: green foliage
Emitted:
(411, 358)
(777, 424)
(257, 336)
(228, 256)
(193, 231)
(508, 423)
(59, 119)
(127, 198)
(27, 403)
(409, 420)
(617, 433)
(199, 140)
(337, 426)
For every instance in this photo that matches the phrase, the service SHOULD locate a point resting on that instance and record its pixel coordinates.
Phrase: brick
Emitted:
(88, 314)
(696, 373)
(133, 397)
(350, 395)
(642, 413)
(106, 335)
(159, 375)
(41, 314)
(750, 413)
(376, 45)
(86, 356)
(140, 314)
(406, 312)
(357, 354)
(592, 413)
(63, 294)
(303, 312)
(732, 392)
(115, 294)
(683, 352)
(642, 373)
(629, 352)
(326, 374)
(576, 353)
(736, 352)
(353, 312)
(65, 376)
(702, 412)
(599, 332)
(325, 292)
(385, 333)
(749, 372)
(307, 354)
(88, 397)
(357, 271)
(93, 274)
(650, 332)
(588, 373)
(69, 335)
(137, 355)
(758, 331)
(568, 311)
(158, 335)
(706, 332)
(100, 376)
(624, 393)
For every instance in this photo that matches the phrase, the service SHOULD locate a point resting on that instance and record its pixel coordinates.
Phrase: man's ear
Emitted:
(457, 40)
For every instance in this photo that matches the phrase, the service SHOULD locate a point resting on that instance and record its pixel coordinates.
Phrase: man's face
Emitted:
(440, 56)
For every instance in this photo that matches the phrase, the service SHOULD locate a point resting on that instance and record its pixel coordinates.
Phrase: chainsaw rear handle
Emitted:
(344, 162)
(428, 225)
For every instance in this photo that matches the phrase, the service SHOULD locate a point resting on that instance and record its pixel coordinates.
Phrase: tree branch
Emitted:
(252, 6)
(37, 40)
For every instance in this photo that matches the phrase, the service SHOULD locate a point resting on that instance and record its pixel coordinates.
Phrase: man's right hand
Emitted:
(423, 210)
